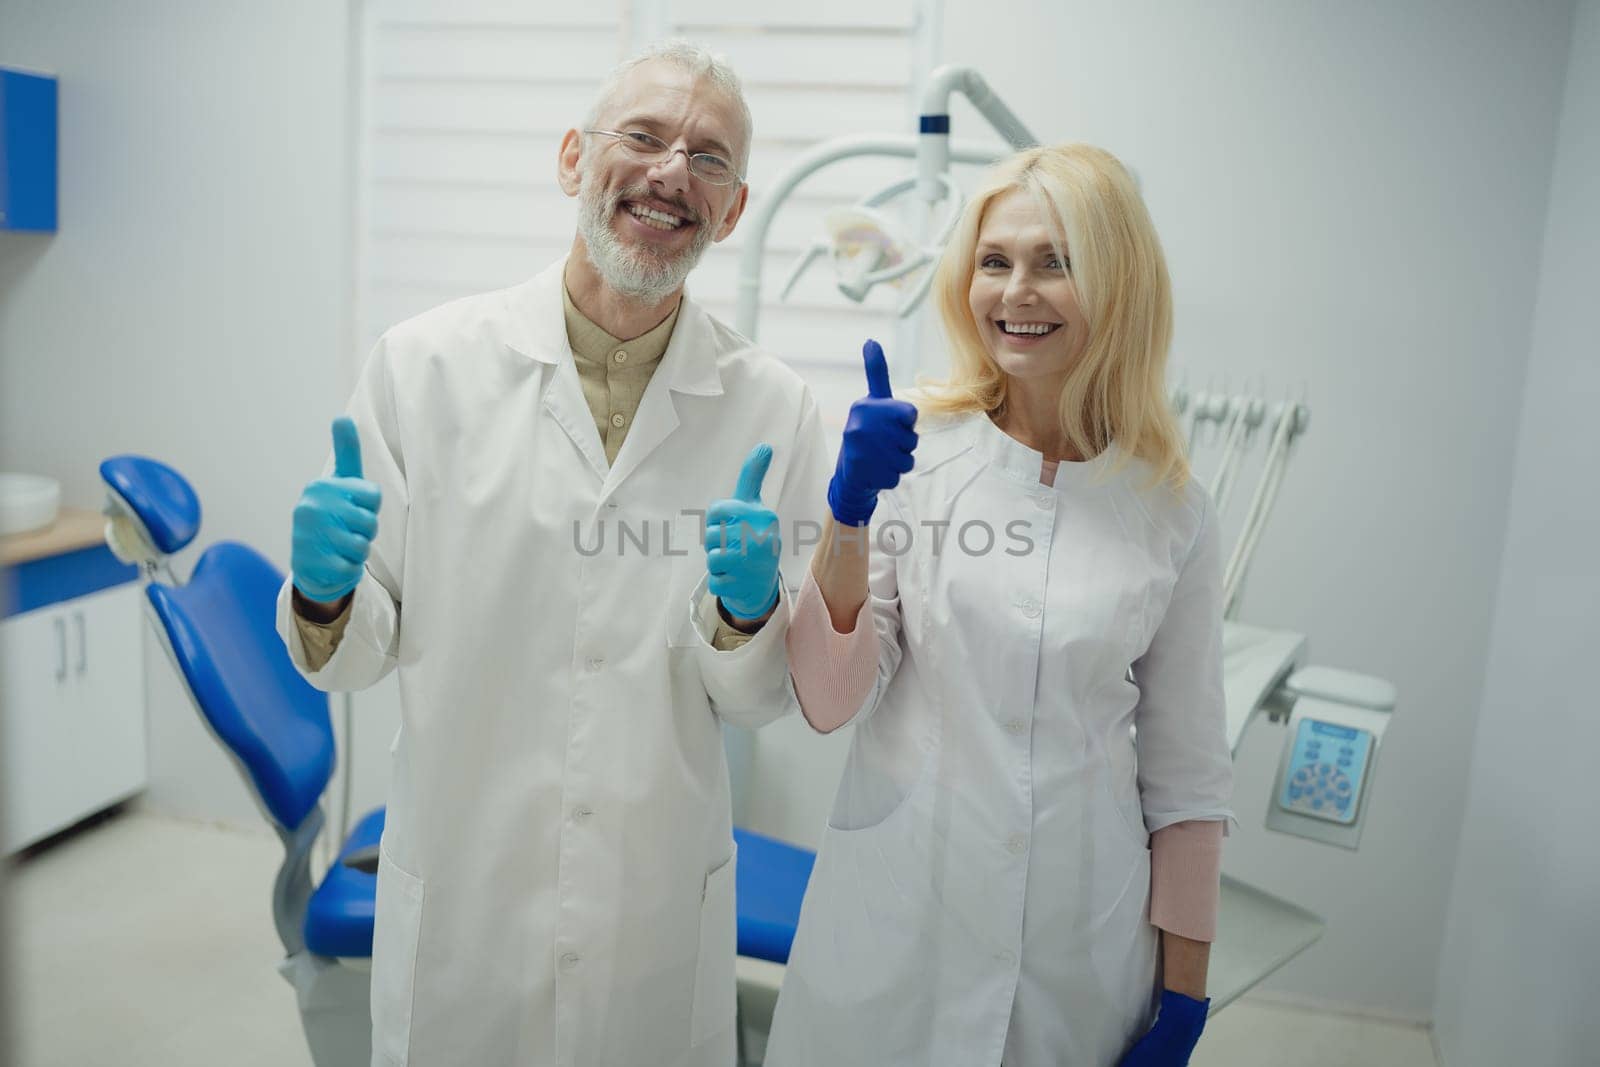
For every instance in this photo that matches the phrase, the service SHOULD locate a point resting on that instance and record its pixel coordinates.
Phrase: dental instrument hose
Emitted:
(1256, 518)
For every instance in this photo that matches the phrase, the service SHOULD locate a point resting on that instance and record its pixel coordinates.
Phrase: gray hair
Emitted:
(696, 60)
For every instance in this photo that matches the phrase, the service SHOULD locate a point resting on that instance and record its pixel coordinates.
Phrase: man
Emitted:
(514, 522)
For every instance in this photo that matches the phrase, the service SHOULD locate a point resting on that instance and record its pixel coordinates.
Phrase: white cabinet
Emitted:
(72, 731)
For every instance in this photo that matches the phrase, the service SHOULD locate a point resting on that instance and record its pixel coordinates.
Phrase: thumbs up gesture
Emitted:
(742, 544)
(879, 439)
(334, 523)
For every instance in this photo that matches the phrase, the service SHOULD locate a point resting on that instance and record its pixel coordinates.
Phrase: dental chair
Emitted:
(219, 630)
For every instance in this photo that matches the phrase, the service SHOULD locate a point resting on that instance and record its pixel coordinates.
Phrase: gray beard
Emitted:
(634, 271)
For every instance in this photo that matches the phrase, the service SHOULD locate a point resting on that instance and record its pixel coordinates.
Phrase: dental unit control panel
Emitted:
(1327, 768)
(1336, 724)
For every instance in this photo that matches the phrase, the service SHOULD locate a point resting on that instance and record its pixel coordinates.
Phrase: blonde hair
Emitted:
(1117, 388)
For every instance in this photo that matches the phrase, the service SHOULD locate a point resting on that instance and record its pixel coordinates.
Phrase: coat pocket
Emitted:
(685, 573)
(397, 924)
(714, 983)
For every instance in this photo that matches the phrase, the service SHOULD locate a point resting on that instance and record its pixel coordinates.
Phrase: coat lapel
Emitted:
(689, 366)
(563, 399)
(536, 327)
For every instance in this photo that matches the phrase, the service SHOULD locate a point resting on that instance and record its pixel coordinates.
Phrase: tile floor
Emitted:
(144, 940)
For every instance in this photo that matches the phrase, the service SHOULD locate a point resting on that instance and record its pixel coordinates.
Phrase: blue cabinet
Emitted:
(27, 151)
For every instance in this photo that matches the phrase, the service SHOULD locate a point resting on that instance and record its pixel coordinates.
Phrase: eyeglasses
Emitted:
(648, 148)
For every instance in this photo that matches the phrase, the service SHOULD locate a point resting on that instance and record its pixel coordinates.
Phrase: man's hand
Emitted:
(334, 524)
(743, 545)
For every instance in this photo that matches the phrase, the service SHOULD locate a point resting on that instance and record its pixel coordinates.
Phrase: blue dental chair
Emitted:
(219, 630)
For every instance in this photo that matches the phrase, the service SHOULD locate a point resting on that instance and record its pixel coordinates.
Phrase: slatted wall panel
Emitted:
(464, 108)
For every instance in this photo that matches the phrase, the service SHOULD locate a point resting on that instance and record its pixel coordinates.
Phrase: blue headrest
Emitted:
(222, 630)
(159, 496)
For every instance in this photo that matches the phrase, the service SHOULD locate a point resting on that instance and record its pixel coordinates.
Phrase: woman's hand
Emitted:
(1174, 1035)
(879, 438)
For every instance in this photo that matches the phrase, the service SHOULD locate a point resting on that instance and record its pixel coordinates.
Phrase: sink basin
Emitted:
(27, 502)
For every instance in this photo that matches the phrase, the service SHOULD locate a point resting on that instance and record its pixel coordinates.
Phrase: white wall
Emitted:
(1517, 973)
(1352, 198)
(195, 304)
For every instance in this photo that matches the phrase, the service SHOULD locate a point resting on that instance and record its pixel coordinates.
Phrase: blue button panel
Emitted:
(38, 583)
(1326, 784)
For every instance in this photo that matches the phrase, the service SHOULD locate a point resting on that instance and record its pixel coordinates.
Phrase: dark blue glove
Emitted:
(742, 544)
(1174, 1035)
(334, 523)
(879, 438)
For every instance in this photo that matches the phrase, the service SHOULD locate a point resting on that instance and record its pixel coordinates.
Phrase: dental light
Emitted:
(868, 247)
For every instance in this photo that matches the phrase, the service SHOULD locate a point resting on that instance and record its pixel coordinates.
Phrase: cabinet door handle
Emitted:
(83, 644)
(61, 649)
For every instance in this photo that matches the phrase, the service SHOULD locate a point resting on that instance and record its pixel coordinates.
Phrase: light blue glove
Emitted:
(742, 544)
(334, 523)
(878, 441)
(1174, 1035)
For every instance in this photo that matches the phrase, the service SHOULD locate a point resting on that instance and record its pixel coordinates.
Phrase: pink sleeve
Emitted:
(832, 672)
(1186, 877)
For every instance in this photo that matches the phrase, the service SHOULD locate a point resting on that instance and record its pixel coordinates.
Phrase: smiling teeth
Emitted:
(1028, 327)
(658, 219)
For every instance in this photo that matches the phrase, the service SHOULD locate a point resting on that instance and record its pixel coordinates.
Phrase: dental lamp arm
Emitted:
(946, 80)
(805, 261)
(933, 145)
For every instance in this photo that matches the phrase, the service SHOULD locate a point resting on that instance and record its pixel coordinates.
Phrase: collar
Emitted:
(1016, 460)
(591, 343)
(535, 326)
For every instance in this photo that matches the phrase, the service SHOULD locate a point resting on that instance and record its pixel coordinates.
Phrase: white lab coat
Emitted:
(556, 879)
(981, 893)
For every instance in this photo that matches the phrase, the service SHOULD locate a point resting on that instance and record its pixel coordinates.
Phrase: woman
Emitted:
(1009, 876)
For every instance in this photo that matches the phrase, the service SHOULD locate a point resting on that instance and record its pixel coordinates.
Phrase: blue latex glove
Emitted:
(1174, 1035)
(334, 523)
(879, 437)
(742, 544)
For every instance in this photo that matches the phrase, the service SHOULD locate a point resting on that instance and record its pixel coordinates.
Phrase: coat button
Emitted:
(1016, 844)
(620, 356)
(619, 420)
(1016, 726)
(1031, 608)
(570, 961)
(1044, 503)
